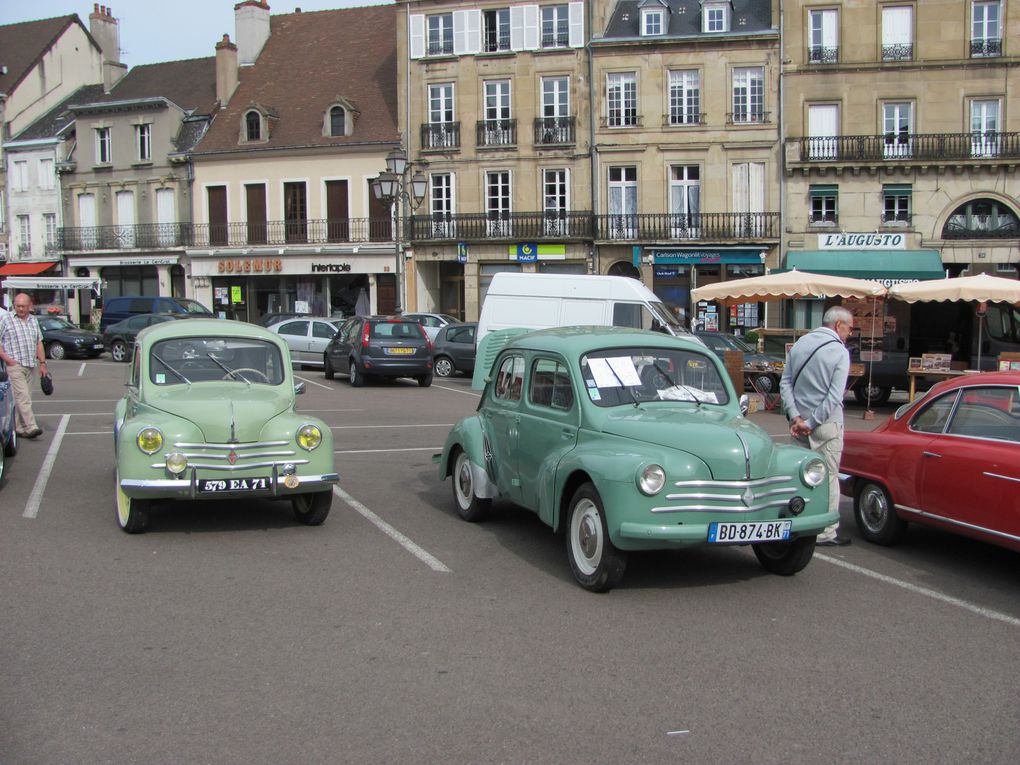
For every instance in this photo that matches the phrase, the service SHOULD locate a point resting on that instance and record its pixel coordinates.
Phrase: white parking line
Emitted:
(385, 451)
(402, 427)
(469, 392)
(327, 387)
(81, 369)
(35, 498)
(934, 594)
(429, 560)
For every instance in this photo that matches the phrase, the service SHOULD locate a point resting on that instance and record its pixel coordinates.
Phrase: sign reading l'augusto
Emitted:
(862, 241)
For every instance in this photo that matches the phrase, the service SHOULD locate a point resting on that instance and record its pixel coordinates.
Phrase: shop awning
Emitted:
(26, 269)
(886, 266)
(51, 283)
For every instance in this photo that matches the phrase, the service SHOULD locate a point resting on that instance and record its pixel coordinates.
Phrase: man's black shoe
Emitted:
(835, 542)
(33, 433)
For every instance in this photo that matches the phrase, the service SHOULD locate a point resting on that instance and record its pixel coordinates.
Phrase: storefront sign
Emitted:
(331, 268)
(462, 252)
(862, 241)
(529, 252)
(250, 265)
(696, 256)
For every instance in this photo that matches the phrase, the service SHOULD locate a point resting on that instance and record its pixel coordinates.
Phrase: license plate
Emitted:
(97, 345)
(749, 531)
(233, 484)
(399, 351)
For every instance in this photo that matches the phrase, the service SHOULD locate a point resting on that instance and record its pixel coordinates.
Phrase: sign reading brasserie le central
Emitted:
(862, 241)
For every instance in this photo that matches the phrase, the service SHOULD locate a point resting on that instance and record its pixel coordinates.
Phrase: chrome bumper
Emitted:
(187, 488)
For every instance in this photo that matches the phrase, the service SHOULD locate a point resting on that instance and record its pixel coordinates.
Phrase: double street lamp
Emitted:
(400, 183)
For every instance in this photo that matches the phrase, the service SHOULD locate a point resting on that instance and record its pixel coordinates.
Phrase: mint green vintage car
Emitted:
(632, 440)
(209, 415)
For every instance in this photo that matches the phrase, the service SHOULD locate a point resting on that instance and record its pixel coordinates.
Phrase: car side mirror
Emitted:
(299, 388)
(745, 404)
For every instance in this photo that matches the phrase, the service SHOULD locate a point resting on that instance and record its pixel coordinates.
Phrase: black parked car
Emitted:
(454, 349)
(119, 338)
(62, 339)
(379, 346)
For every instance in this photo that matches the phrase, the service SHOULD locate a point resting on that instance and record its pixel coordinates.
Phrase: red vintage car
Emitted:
(950, 459)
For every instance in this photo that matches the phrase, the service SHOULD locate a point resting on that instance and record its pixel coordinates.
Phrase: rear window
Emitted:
(399, 329)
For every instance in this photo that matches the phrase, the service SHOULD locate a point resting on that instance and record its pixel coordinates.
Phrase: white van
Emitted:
(539, 301)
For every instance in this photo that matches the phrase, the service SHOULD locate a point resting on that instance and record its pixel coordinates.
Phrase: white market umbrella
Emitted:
(787, 285)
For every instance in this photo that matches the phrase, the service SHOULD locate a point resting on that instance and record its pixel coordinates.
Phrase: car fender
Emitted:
(469, 436)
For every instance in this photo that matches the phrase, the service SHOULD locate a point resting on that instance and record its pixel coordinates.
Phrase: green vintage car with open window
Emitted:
(627, 441)
(209, 415)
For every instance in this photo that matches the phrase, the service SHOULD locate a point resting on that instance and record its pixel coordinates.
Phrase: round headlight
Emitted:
(176, 463)
(309, 437)
(651, 479)
(150, 440)
(813, 472)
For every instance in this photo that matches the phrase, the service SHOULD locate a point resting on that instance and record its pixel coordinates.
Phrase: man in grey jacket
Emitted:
(812, 388)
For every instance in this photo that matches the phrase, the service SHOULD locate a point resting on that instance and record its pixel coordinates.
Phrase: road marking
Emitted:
(433, 563)
(81, 369)
(383, 451)
(458, 390)
(988, 613)
(380, 427)
(35, 498)
(327, 387)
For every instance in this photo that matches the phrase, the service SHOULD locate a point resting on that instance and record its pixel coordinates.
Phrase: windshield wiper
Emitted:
(230, 372)
(171, 369)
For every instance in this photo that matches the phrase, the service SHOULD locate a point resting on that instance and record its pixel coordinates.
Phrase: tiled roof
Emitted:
(749, 16)
(191, 84)
(22, 44)
(310, 61)
(59, 117)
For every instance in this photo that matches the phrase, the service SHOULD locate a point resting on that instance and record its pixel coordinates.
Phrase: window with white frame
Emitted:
(897, 33)
(824, 205)
(439, 32)
(685, 97)
(897, 127)
(823, 131)
(19, 176)
(441, 131)
(50, 227)
(47, 177)
(986, 28)
(823, 47)
(441, 205)
(749, 95)
(556, 126)
(896, 203)
(715, 16)
(653, 22)
(143, 142)
(496, 30)
(497, 203)
(104, 146)
(621, 99)
(985, 139)
(498, 129)
(555, 201)
(622, 223)
(555, 26)
(24, 236)
(685, 201)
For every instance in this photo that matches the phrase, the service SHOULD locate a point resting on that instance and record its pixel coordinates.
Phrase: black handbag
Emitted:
(46, 383)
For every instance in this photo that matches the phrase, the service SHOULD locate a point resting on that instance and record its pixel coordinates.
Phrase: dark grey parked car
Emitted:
(379, 346)
(454, 349)
(119, 338)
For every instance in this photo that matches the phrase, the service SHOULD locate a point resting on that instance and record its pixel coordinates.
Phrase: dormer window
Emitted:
(253, 126)
(715, 15)
(653, 17)
(337, 121)
(339, 117)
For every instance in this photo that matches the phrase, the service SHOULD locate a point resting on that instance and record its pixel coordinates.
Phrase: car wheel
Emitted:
(469, 507)
(12, 446)
(785, 558)
(765, 384)
(3, 459)
(56, 351)
(132, 514)
(596, 563)
(119, 350)
(312, 509)
(327, 367)
(876, 516)
(879, 394)
(424, 381)
(356, 377)
(443, 366)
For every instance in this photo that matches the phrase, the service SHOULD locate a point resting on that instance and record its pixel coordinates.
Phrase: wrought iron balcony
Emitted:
(663, 227)
(898, 52)
(991, 46)
(440, 136)
(981, 227)
(555, 40)
(517, 226)
(496, 133)
(555, 131)
(820, 54)
(681, 117)
(897, 219)
(440, 47)
(912, 146)
(296, 232)
(748, 118)
(142, 236)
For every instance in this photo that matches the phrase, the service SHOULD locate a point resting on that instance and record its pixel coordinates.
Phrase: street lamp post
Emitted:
(400, 183)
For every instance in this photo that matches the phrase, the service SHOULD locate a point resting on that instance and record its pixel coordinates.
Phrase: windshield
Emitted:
(186, 360)
(622, 376)
(52, 324)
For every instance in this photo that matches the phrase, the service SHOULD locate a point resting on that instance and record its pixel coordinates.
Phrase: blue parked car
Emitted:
(8, 436)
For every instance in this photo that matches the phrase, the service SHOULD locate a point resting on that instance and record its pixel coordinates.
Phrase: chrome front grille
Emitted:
(256, 454)
(730, 496)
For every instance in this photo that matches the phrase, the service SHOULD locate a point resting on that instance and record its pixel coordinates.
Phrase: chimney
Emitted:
(251, 28)
(105, 29)
(226, 70)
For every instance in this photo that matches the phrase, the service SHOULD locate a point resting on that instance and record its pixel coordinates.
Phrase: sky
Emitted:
(163, 30)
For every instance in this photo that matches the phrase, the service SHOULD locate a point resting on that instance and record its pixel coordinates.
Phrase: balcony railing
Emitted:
(441, 136)
(496, 133)
(748, 118)
(139, 236)
(913, 146)
(555, 131)
(688, 227)
(520, 226)
(684, 118)
(989, 46)
(820, 54)
(898, 52)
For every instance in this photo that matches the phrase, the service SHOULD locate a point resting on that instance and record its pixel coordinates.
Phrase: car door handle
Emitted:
(931, 454)
(568, 435)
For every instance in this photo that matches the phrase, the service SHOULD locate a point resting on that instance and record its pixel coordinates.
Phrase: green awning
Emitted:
(886, 266)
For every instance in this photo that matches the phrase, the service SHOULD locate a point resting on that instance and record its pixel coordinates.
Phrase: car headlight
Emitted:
(309, 437)
(651, 479)
(813, 472)
(150, 440)
(176, 463)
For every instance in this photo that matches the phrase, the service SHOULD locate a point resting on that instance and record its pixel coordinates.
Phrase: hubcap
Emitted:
(464, 489)
(873, 509)
(586, 536)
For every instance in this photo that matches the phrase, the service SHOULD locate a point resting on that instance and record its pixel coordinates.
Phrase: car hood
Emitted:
(223, 411)
(88, 335)
(709, 434)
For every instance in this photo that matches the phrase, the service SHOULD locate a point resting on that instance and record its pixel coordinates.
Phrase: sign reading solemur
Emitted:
(250, 265)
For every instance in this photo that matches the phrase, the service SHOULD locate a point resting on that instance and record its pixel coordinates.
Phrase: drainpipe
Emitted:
(593, 152)
(782, 147)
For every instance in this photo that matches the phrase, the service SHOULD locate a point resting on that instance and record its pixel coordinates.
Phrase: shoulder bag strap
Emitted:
(793, 384)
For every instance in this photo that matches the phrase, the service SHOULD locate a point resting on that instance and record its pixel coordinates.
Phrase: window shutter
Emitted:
(576, 25)
(516, 28)
(756, 187)
(459, 33)
(896, 23)
(416, 36)
(531, 28)
(829, 29)
(473, 34)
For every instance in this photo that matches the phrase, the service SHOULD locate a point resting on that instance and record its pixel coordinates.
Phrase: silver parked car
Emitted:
(307, 338)
(433, 322)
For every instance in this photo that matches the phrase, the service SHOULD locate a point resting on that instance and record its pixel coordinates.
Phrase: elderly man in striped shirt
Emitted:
(21, 348)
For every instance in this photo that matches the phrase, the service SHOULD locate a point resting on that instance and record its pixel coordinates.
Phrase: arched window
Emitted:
(982, 219)
(337, 121)
(253, 126)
